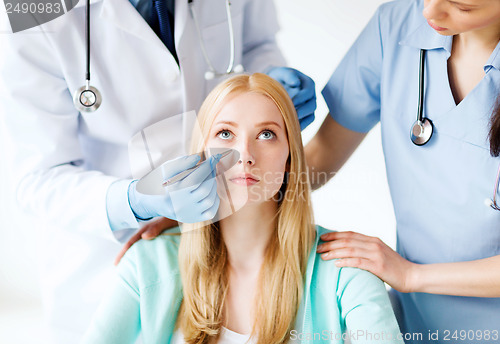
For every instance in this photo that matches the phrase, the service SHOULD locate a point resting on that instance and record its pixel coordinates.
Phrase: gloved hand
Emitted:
(192, 199)
(301, 89)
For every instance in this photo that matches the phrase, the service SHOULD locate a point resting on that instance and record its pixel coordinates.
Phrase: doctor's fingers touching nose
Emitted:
(198, 179)
(195, 198)
(301, 90)
(371, 254)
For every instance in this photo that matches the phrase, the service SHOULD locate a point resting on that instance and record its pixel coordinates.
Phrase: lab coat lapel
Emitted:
(181, 16)
(123, 15)
(82, 3)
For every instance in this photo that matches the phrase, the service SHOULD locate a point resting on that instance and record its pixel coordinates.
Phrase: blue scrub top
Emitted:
(438, 190)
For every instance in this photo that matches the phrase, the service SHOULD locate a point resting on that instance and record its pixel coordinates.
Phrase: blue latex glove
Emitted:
(192, 199)
(301, 89)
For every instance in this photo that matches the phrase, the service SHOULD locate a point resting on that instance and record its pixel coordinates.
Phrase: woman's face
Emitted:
(251, 124)
(450, 17)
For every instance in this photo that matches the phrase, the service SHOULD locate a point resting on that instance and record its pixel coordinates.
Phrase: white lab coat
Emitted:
(65, 161)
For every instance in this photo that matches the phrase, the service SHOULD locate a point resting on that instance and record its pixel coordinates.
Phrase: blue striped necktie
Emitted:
(165, 25)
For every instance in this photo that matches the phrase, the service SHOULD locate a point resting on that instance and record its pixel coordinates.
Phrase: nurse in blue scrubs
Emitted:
(446, 269)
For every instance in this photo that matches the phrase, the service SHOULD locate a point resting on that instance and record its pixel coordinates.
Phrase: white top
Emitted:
(226, 337)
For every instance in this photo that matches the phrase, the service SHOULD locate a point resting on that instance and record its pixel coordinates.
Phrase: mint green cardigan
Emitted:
(148, 293)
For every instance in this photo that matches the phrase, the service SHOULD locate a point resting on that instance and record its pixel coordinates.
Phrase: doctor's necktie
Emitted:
(165, 24)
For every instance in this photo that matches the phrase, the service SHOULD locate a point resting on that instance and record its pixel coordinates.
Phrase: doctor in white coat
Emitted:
(65, 161)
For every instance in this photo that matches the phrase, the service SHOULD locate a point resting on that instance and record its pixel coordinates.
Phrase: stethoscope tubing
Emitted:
(212, 70)
(87, 34)
(421, 68)
(231, 37)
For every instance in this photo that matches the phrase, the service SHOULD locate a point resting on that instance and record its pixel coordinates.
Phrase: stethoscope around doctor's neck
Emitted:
(88, 98)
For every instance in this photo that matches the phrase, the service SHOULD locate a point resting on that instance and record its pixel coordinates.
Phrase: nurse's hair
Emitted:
(203, 256)
(494, 134)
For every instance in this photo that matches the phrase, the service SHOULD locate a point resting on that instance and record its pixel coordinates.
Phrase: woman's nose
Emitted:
(434, 9)
(246, 159)
(246, 155)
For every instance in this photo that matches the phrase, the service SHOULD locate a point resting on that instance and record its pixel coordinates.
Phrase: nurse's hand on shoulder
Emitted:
(301, 89)
(371, 254)
(192, 199)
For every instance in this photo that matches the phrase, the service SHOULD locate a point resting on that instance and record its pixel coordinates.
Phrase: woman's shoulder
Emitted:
(322, 268)
(149, 261)
(320, 230)
(167, 242)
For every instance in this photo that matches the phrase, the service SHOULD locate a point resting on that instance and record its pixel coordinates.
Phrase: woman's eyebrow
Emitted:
(462, 3)
(234, 124)
(261, 124)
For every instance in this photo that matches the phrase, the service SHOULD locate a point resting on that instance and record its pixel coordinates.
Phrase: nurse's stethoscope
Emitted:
(493, 202)
(231, 68)
(88, 98)
(421, 131)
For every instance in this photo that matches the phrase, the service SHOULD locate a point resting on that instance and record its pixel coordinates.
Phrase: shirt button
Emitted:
(172, 76)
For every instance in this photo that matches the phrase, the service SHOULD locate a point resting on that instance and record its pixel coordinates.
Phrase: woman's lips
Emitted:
(244, 179)
(435, 27)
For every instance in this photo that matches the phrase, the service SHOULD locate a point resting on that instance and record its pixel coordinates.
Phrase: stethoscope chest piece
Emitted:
(421, 131)
(87, 99)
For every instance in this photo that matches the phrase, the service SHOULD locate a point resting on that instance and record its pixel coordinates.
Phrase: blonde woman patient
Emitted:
(254, 276)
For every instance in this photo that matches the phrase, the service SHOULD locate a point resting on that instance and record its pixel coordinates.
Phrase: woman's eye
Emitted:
(461, 9)
(267, 135)
(224, 134)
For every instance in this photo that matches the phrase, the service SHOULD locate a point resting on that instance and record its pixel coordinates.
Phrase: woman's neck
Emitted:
(246, 234)
(470, 52)
(485, 39)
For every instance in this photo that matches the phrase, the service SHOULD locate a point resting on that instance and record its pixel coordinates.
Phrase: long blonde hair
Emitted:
(203, 254)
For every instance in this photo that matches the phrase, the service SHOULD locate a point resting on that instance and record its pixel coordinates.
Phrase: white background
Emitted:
(315, 35)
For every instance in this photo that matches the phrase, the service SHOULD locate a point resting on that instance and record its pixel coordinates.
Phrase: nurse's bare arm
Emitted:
(329, 149)
(480, 278)
(477, 278)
